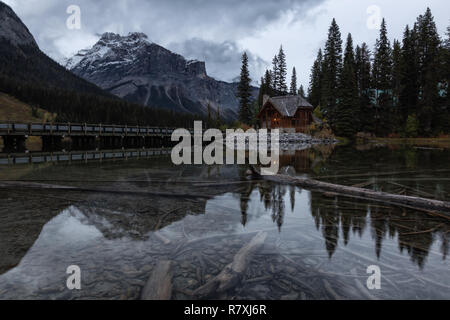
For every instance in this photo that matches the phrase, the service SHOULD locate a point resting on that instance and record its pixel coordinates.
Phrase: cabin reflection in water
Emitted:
(220, 211)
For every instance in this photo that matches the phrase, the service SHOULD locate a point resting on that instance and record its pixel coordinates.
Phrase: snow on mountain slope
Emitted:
(138, 70)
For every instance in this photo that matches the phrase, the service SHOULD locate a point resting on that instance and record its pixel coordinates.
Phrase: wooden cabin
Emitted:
(287, 113)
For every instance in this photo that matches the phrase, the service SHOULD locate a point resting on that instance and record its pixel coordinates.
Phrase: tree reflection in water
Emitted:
(337, 216)
(311, 235)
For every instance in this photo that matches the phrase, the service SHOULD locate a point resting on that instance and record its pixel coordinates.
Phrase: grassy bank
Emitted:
(12, 109)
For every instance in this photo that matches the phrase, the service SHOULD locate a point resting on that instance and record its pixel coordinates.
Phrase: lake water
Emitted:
(317, 245)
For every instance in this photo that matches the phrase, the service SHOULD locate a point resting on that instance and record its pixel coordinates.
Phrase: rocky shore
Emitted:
(294, 141)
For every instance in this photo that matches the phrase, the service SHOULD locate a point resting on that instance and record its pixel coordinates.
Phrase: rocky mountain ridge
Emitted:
(140, 71)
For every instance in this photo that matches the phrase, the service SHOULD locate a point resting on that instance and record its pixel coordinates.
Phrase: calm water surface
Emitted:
(317, 246)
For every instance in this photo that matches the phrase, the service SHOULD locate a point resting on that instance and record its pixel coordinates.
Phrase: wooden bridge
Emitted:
(15, 134)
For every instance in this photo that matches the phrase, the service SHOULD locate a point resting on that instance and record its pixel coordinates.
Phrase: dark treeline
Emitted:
(399, 89)
(30, 76)
(75, 107)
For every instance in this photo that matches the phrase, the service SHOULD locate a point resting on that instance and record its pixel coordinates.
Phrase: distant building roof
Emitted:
(288, 105)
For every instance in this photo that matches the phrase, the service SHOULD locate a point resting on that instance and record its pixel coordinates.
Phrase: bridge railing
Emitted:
(80, 129)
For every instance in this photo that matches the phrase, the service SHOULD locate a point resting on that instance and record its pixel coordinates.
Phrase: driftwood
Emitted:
(377, 174)
(159, 285)
(233, 273)
(40, 186)
(436, 207)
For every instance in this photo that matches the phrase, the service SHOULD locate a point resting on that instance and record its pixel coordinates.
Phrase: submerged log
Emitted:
(233, 273)
(159, 285)
(40, 186)
(436, 207)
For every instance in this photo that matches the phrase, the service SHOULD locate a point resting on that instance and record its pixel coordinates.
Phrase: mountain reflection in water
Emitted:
(318, 246)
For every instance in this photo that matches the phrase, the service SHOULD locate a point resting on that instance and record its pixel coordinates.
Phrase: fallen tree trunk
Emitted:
(232, 274)
(40, 186)
(159, 285)
(437, 207)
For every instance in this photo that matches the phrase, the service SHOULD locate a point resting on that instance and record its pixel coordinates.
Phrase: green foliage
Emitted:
(428, 49)
(409, 90)
(331, 68)
(318, 113)
(282, 69)
(363, 67)
(382, 83)
(255, 110)
(301, 91)
(345, 122)
(408, 78)
(244, 92)
(293, 89)
(412, 126)
(315, 82)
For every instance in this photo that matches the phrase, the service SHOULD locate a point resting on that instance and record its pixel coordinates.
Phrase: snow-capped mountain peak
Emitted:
(138, 70)
(112, 48)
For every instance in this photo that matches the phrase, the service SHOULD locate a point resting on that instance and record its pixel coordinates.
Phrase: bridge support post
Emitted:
(14, 143)
(51, 142)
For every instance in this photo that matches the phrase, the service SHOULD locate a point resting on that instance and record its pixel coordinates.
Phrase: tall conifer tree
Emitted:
(346, 120)
(363, 79)
(396, 83)
(275, 75)
(331, 68)
(428, 48)
(282, 72)
(301, 91)
(244, 92)
(409, 90)
(315, 82)
(382, 82)
(293, 90)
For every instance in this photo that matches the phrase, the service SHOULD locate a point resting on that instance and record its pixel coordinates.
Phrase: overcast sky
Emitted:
(219, 31)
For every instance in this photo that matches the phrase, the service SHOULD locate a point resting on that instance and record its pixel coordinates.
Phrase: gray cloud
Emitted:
(222, 28)
(223, 60)
(215, 26)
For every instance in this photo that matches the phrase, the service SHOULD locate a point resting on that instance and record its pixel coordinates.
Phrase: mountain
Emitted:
(21, 58)
(29, 75)
(13, 29)
(140, 71)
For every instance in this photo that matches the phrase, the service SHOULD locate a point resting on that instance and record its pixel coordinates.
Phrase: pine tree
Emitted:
(346, 120)
(218, 120)
(275, 75)
(262, 91)
(382, 82)
(445, 79)
(244, 92)
(363, 79)
(209, 114)
(396, 83)
(301, 91)
(428, 48)
(282, 72)
(315, 82)
(331, 68)
(293, 90)
(268, 82)
(408, 98)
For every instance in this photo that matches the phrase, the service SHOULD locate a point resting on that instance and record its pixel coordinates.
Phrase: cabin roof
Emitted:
(288, 105)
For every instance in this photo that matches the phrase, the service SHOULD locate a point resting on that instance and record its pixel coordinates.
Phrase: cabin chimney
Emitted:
(265, 98)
